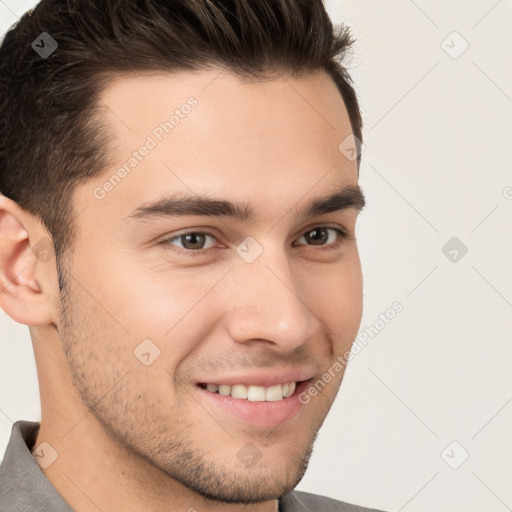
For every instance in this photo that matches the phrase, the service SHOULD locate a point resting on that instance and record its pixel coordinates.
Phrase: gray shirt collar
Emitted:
(24, 485)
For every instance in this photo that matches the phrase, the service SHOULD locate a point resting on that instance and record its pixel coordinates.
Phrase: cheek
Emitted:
(172, 307)
(340, 302)
(149, 300)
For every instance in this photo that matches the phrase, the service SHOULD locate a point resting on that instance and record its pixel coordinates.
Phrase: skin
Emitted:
(129, 436)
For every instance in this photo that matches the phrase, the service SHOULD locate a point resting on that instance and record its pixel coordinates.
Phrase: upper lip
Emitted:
(262, 378)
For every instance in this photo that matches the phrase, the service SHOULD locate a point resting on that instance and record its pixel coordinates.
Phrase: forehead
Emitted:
(212, 132)
(230, 112)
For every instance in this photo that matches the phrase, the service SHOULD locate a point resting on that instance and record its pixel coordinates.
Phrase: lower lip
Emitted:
(261, 414)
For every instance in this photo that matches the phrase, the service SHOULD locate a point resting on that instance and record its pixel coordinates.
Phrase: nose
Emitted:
(267, 304)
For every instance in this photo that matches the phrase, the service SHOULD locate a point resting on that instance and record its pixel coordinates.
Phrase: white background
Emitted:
(437, 165)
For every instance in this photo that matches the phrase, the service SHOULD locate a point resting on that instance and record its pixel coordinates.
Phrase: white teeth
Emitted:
(274, 393)
(239, 391)
(254, 393)
(224, 389)
(290, 390)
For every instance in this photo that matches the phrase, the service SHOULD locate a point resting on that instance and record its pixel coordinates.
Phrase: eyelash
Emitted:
(342, 236)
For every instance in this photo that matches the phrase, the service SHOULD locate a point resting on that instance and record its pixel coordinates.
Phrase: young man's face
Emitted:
(150, 316)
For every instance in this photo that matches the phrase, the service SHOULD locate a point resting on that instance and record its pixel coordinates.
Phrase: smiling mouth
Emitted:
(254, 393)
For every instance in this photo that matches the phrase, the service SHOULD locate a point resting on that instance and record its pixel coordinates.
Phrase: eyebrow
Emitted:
(182, 204)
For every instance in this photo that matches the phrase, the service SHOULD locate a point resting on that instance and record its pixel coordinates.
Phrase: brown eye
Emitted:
(191, 241)
(322, 236)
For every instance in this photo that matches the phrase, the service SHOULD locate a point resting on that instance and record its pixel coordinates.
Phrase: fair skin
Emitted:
(138, 437)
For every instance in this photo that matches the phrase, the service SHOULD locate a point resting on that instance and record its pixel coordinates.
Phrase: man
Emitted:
(177, 226)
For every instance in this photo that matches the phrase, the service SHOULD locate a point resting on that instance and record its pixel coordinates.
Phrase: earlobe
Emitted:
(26, 257)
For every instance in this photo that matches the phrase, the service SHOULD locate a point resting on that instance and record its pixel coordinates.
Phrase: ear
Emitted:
(28, 273)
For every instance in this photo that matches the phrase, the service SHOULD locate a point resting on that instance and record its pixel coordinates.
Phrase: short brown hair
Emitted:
(51, 139)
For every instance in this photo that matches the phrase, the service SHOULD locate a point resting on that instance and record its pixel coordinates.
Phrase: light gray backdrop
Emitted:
(423, 419)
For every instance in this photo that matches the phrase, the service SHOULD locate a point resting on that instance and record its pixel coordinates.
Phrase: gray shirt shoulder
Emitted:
(23, 485)
(300, 501)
